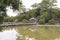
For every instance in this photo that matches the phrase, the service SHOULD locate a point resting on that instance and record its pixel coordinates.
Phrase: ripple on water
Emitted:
(28, 38)
(57, 39)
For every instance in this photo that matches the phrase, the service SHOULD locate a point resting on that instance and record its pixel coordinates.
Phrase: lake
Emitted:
(30, 33)
(8, 35)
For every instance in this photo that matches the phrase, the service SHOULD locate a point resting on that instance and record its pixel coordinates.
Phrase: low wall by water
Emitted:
(16, 24)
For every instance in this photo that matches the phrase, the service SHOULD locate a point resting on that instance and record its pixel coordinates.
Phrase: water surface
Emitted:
(8, 35)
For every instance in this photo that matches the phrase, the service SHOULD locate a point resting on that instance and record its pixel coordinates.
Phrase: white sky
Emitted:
(58, 3)
(27, 4)
(10, 12)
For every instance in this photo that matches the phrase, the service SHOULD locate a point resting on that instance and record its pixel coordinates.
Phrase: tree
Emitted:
(21, 7)
(52, 21)
(35, 5)
(4, 4)
(46, 10)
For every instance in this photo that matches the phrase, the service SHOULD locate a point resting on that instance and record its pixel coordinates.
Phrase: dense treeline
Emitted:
(44, 17)
(45, 12)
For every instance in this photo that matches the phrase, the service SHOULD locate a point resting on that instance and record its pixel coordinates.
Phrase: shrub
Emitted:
(24, 21)
(1, 28)
(52, 21)
(58, 20)
(44, 16)
(42, 21)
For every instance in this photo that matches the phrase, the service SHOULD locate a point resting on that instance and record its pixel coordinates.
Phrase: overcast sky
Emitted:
(27, 4)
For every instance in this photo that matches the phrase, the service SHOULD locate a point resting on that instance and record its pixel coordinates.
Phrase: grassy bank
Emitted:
(40, 33)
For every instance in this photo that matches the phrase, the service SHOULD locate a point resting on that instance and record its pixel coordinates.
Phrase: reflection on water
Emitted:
(28, 38)
(8, 35)
(12, 35)
(57, 39)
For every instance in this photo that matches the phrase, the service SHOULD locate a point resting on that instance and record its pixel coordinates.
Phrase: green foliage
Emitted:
(32, 13)
(1, 19)
(52, 21)
(44, 18)
(9, 19)
(47, 16)
(4, 4)
(35, 5)
(48, 3)
(43, 11)
(58, 20)
(42, 21)
(1, 29)
(24, 21)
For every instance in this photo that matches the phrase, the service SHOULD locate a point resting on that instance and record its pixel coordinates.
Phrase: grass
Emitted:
(41, 33)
